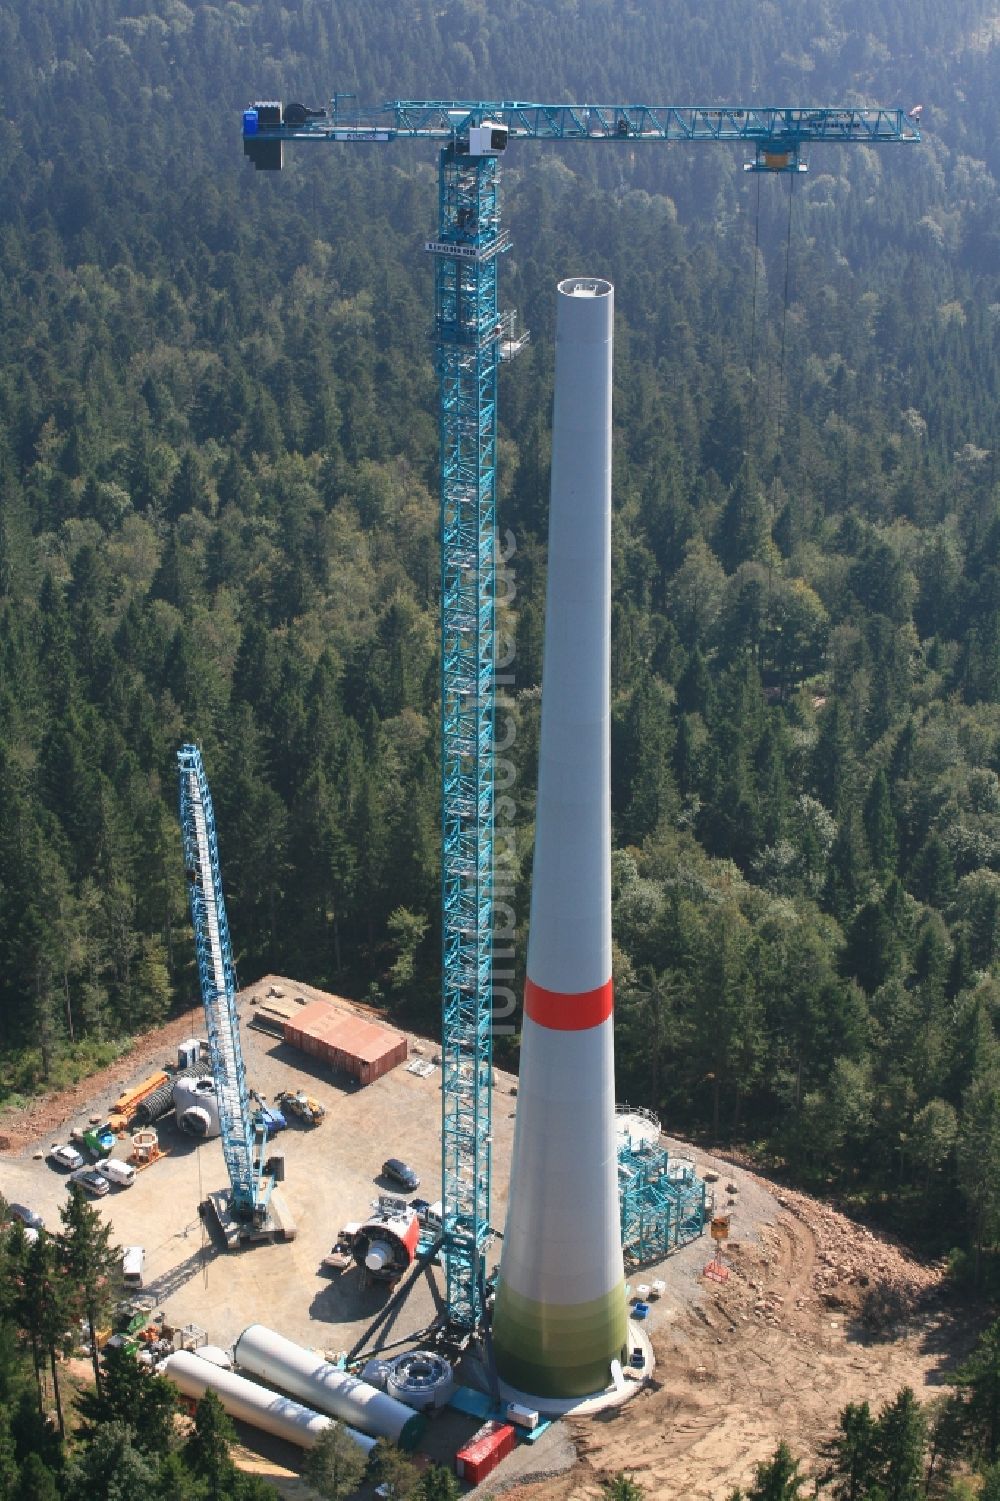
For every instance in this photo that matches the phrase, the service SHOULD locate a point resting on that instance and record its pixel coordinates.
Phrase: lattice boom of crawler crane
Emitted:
(217, 975)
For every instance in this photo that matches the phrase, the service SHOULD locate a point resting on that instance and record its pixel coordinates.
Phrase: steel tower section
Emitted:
(217, 974)
(467, 335)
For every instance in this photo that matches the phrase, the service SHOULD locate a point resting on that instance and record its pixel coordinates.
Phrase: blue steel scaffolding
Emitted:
(467, 333)
(662, 1203)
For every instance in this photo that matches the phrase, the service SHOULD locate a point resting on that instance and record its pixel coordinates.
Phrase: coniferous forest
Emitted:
(218, 521)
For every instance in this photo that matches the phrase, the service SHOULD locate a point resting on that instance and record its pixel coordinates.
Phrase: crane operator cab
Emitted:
(488, 139)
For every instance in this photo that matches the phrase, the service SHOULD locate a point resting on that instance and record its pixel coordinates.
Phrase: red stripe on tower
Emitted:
(568, 1013)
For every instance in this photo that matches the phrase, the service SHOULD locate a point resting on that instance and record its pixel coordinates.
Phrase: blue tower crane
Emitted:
(242, 1142)
(471, 339)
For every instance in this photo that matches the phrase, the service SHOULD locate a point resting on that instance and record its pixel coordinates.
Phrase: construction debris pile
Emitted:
(849, 1255)
(854, 1269)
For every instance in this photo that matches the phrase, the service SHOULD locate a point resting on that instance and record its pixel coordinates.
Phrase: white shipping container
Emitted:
(524, 1417)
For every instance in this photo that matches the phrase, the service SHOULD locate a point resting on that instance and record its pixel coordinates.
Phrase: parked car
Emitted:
(91, 1181)
(400, 1172)
(29, 1219)
(433, 1216)
(133, 1266)
(116, 1171)
(430, 1215)
(65, 1156)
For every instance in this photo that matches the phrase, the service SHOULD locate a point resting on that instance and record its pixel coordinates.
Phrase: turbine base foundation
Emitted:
(615, 1394)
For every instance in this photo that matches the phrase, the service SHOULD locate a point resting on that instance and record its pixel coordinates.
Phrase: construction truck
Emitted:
(302, 1105)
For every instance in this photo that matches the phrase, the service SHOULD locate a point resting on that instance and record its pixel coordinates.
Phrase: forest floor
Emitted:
(817, 1312)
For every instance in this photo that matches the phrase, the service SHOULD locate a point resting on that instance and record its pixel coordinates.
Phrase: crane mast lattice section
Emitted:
(217, 975)
(467, 335)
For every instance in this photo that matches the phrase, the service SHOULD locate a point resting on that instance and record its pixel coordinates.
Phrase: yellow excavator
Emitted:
(302, 1105)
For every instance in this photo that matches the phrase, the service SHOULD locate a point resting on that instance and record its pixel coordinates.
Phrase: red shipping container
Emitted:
(486, 1448)
(346, 1041)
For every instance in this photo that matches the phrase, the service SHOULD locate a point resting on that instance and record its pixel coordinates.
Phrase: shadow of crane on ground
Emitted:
(178, 1276)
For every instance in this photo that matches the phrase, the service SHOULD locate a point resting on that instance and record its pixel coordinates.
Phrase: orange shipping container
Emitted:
(363, 1048)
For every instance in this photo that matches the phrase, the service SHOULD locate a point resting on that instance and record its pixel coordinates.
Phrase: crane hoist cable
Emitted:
(752, 361)
(779, 421)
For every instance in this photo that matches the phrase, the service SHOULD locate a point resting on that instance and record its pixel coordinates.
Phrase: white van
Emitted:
(433, 1216)
(116, 1171)
(133, 1266)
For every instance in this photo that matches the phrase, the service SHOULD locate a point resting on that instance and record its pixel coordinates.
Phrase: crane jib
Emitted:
(452, 120)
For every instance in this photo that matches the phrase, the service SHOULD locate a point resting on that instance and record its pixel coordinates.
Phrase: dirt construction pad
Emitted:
(772, 1353)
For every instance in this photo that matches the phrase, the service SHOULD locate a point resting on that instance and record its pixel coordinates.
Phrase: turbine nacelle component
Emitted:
(386, 1244)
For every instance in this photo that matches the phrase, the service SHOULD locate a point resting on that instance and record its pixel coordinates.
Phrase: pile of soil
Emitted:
(859, 1269)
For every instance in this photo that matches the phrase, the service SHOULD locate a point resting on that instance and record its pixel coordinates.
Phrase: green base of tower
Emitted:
(558, 1349)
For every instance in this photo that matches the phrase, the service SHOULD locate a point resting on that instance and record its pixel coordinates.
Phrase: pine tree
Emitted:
(131, 1393)
(901, 1434)
(37, 1482)
(111, 1467)
(778, 1479)
(834, 765)
(978, 1162)
(851, 1455)
(335, 1464)
(743, 534)
(175, 1482)
(979, 1379)
(395, 1471)
(8, 1458)
(35, 1435)
(933, 872)
(437, 1483)
(42, 1313)
(207, 1450)
(880, 827)
(622, 1487)
(91, 1264)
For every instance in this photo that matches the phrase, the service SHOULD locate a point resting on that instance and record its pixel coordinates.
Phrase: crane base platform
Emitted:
(279, 1225)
